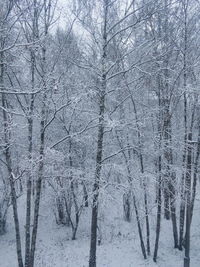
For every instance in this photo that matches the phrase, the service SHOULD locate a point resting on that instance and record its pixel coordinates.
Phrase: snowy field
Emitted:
(55, 248)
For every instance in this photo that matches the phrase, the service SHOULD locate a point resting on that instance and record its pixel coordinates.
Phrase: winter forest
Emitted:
(99, 133)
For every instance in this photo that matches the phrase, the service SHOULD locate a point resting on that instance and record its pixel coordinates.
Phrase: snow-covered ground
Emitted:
(119, 248)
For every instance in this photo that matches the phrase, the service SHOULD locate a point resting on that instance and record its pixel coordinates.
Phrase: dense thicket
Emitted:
(106, 105)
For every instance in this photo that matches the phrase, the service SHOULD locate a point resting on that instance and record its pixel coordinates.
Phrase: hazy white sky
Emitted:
(66, 18)
(63, 13)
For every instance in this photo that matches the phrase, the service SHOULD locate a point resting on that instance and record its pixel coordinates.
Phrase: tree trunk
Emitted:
(29, 180)
(28, 199)
(159, 203)
(85, 195)
(143, 179)
(41, 161)
(188, 203)
(139, 229)
(195, 173)
(127, 206)
(173, 209)
(6, 122)
(93, 239)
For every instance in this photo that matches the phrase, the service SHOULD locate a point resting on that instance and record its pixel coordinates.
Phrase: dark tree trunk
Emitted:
(139, 229)
(28, 201)
(173, 209)
(182, 205)
(195, 173)
(30, 148)
(60, 209)
(93, 239)
(172, 191)
(147, 223)
(127, 206)
(167, 155)
(181, 224)
(85, 195)
(143, 178)
(16, 221)
(2, 225)
(166, 203)
(159, 203)
(6, 122)
(188, 202)
(38, 195)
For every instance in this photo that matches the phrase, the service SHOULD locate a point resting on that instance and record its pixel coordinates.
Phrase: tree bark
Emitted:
(159, 203)
(93, 239)
(6, 122)
(188, 202)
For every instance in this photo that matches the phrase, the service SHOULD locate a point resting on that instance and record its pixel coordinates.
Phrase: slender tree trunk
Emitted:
(183, 182)
(16, 220)
(41, 152)
(7, 152)
(182, 205)
(93, 239)
(188, 202)
(127, 160)
(195, 173)
(47, 17)
(38, 191)
(29, 179)
(139, 229)
(127, 206)
(30, 143)
(2, 224)
(173, 209)
(159, 203)
(4, 205)
(28, 198)
(13, 191)
(77, 213)
(85, 195)
(182, 213)
(143, 179)
(147, 222)
(172, 190)
(166, 154)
